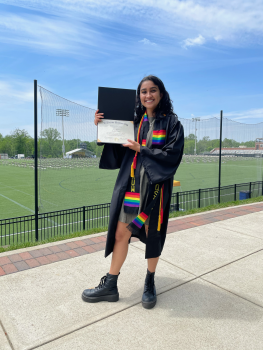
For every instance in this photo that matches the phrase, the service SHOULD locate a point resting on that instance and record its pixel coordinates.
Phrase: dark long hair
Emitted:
(164, 107)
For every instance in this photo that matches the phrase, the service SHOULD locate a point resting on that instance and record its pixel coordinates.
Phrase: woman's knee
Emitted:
(122, 233)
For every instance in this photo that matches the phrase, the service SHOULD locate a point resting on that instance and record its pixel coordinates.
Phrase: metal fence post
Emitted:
(235, 195)
(220, 151)
(177, 201)
(36, 160)
(250, 190)
(199, 198)
(83, 217)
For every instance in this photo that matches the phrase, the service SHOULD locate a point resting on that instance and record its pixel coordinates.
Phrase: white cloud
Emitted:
(54, 35)
(147, 42)
(16, 106)
(200, 40)
(250, 116)
(246, 115)
(16, 91)
(74, 36)
(218, 37)
(236, 21)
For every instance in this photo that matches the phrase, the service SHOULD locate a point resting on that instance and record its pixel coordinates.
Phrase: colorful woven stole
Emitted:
(155, 192)
(132, 196)
(158, 137)
(134, 163)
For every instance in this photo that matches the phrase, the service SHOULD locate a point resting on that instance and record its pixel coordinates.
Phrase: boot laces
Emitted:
(102, 282)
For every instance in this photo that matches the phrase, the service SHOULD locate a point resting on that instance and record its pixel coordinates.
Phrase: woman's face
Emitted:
(150, 95)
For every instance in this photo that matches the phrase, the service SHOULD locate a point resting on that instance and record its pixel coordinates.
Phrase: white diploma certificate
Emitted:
(115, 131)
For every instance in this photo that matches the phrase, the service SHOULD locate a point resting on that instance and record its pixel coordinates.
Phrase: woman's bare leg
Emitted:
(152, 263)
(120, 249)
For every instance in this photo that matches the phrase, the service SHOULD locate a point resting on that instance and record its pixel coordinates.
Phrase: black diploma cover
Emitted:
(118, 106)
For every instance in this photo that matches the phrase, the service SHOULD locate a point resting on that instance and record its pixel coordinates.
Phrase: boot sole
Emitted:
(149, 305)
(109, 298)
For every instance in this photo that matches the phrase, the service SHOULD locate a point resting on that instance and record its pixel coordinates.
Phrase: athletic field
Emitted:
(74, 183)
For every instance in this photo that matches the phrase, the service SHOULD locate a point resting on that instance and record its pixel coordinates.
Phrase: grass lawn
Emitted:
(74, 186)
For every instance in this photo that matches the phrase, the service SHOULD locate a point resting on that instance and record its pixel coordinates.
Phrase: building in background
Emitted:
(3, 156)
(259, 144)
(79, 153)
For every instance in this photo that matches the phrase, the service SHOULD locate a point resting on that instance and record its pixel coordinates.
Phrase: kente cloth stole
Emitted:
(155, 191)
(132, 196)
(155, 197)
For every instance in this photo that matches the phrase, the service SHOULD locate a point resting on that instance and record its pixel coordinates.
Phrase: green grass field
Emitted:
(67, 184)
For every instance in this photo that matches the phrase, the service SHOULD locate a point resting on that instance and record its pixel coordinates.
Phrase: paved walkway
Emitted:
(209, 283)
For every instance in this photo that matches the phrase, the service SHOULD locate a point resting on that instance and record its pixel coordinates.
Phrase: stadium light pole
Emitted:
(195, 120)
(62, 113)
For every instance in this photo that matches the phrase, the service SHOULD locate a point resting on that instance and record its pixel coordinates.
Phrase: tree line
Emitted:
(50, 144)
(18, 142)
(207, 145)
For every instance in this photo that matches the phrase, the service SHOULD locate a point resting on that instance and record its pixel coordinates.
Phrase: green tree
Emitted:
(230, 143)
(51, 144)
(190, 137)
(1, 143)
(89, 146)
(20, 139)
(248, 143)
(189, 146)
(8, 146)
(96, 149)
(72, 144)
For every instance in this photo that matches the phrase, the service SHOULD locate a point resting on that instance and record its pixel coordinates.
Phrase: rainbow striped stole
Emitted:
(143, 142)
(132, 199)
(140, 220)
(134, 162)
(158, 137)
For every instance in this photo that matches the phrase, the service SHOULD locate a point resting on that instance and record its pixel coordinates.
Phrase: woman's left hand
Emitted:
(132, 145)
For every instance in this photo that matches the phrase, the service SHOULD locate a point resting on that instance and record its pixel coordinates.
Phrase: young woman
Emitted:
(142, 193)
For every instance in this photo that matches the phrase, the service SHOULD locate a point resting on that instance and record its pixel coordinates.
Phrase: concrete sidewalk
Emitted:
(209, 283)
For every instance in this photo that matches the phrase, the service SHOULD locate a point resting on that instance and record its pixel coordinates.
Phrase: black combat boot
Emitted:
(107, 290)
(149, 292)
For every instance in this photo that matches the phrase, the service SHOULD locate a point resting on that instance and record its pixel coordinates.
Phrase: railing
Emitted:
(63, 222)
(53, 224)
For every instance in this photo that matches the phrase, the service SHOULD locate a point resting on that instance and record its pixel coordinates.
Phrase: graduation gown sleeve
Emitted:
(112, 156)
(161, 164)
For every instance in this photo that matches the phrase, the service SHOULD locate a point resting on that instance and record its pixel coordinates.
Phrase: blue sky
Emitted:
(209, 54)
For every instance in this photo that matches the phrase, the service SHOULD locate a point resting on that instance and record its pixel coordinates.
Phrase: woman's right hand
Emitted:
(98, 117)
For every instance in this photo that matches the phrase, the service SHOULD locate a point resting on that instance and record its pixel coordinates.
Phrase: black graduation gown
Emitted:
(160, 164)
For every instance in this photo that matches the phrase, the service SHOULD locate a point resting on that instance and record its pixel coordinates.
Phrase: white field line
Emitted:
(28, 194)
(21, 205)
(50, 227)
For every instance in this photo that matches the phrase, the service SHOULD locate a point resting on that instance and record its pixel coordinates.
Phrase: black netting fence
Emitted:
(69, 156)
(199, 168)
(242, 158)
(69, 174)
